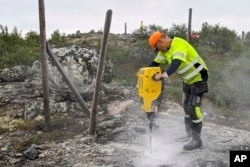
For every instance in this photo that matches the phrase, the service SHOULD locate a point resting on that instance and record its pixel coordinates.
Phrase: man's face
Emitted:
(159, 46)
(163, 44)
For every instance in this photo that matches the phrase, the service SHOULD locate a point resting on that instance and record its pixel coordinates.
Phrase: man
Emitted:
(183, 60)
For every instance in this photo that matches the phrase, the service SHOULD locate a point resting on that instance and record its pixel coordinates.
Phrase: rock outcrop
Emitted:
(80, 65)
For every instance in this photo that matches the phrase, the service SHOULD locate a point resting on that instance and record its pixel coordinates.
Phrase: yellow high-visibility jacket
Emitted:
(191, 62)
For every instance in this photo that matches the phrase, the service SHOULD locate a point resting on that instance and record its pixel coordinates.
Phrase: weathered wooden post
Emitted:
(125, 28)
(44, 64)
(242, 38)
(189, 24)
(100, 72)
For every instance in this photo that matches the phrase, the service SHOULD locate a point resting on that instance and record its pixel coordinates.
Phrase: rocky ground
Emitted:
(123, 139)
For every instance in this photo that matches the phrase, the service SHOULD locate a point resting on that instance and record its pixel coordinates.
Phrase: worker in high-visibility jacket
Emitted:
(184, 60)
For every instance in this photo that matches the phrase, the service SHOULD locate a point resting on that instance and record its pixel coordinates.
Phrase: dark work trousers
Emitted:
(192, 100)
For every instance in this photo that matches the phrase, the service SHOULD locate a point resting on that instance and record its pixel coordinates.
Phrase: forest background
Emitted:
(225, 53)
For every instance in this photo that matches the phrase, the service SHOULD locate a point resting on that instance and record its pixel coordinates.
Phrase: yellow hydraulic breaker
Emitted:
(149, 89)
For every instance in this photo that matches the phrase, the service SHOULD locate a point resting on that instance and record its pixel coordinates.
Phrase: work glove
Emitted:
(159, 77)
(137, 74)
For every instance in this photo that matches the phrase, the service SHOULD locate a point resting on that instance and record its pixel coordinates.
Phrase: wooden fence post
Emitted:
(44, 64)
(100, 72)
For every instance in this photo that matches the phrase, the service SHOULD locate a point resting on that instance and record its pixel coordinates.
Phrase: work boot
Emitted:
(187, 123)
(196, 141)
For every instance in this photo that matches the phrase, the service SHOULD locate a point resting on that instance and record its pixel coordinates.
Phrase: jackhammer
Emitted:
(150, 92)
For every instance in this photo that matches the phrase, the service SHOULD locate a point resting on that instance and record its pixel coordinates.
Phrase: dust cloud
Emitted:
(236, 81)
(160, 147)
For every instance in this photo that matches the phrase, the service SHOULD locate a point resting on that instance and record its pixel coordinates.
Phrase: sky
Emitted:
(68, 16)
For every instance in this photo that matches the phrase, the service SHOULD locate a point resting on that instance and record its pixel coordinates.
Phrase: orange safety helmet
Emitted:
(154, 38)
